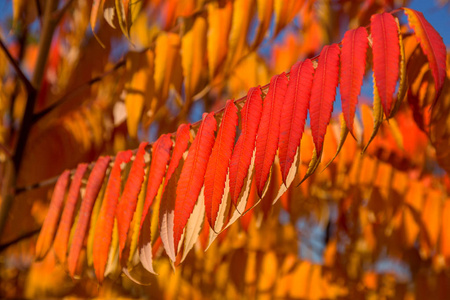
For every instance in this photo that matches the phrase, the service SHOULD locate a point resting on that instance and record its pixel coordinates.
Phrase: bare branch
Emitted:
(19, 239)
(25, 128)
(16, 67)
(57, 15)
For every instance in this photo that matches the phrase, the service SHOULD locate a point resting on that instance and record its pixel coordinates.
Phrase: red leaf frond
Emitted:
(386, 51)
(353, 64)
(192, 175)
(294, 113)
(324, 93)
(218, 164)
(269, 129)
(181, 143)
(127, 204)
(243, 151)
(432, 45)
(160, 159)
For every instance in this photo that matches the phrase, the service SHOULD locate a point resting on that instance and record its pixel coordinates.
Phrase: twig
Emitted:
(57, 15)
(16, 67)
(37, 116)
(19, 239)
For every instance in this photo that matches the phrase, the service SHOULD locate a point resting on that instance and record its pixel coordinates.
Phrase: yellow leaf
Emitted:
(193, 47)
(445, 234)
(219, 23)
(242, 12)
(342, 138)
(411, 216)
(402, 74)
(136, 222)
(292, 174)
(168, 68)
(301, 280)
(265, 9)
(431, 218)
(139, 87)
(94, 217)
(112, 266)
(377, 114)
(285, 11)
(155, 212)
(94, 13)
(269, 272)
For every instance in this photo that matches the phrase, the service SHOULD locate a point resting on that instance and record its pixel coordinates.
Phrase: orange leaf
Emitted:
(127, 205)
(105, 222)
(92, 188)
(62, 235)
(47, 233)
(445, 234)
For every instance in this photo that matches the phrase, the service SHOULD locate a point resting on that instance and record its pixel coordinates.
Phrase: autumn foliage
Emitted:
(265, 196)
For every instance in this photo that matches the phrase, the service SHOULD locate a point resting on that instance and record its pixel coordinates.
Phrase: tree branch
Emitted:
(37, 116)
(9, 187)
(57, 15)
(17, 68)
(19, 239)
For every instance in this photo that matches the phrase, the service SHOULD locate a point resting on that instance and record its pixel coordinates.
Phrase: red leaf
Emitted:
(386, 51)
(92, 188)
(160, 159)
(294, 113)
(127, 204)
(181, 143)
(216, 172)
(167, 204)
(48, 230)
(105, 222)
(353, 64)
(192, 175)
(243, 151)
(432, 45)
(62, 235)
(269, 129)
(323, 93)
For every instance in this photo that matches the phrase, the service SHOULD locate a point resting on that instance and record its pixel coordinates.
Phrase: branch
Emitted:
(57, 15)
(8, 190)
(37, 116)
(16, 67)
(19, 239)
